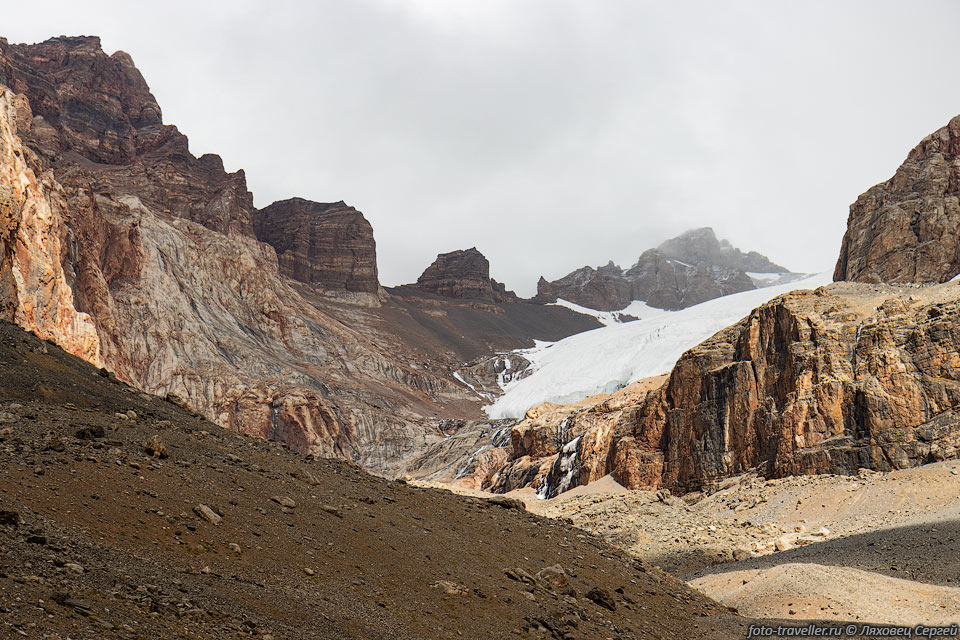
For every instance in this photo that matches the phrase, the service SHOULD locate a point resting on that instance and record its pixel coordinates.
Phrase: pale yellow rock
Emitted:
(31, 232)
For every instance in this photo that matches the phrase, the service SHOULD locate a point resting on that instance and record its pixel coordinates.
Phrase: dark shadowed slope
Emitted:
(100, 539)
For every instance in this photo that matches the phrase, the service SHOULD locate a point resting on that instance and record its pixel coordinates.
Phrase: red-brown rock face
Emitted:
(135, 255)
(845, 378)
(327, 245)
(99, 104)
(125, 249)
(463, 274)
(99, 107)
(907, 229)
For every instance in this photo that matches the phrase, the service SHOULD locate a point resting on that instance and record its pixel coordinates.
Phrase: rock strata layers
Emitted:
(124, 248)
(329, 245)
(683, 271)
(135, 255)
(463, 274)
(98, 110)
(907, 229)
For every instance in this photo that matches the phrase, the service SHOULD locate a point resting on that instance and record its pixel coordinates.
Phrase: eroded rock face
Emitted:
(670, 284)
(907, 229)
(99, 107)
(463, 274)
(329, 245)
(683, 271)
(832, 381)
(604, 288)
(587, 429)
(135, 255)
(34, 288)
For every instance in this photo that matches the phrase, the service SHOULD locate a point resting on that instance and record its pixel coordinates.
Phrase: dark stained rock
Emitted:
(601, 597)
(907, 229)
(330, 245)
(463, 274)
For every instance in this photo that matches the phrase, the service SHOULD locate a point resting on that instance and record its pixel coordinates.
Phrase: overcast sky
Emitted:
(548, 134)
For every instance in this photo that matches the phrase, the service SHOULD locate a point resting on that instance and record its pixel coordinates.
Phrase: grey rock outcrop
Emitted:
(683, 271)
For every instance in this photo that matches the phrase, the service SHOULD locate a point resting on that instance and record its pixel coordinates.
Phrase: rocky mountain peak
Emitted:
(464, 273)
(97, 110)
(610, 267)
(100, 105)
(907, 229)
(329, 245)
(701, 245)
(683, 271)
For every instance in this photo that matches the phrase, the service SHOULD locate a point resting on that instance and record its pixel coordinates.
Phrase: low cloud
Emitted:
(548, 134)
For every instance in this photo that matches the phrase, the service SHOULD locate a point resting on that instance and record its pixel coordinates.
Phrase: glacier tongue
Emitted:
(606, 359)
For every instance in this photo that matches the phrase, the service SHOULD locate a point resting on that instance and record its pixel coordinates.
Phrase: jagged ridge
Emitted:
(683, 271)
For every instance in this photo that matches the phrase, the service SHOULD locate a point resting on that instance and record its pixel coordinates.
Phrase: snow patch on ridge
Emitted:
(637, 309)
(775, 279)
(606, 359)
(456, 374)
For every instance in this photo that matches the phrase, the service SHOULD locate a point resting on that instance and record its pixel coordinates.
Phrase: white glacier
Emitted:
(637, 309)
(606, 359)
(775, 279)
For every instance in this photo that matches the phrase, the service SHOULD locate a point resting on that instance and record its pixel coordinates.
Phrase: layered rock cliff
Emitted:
(96, 111)
(463, 274)
(683, 271)
(907, 229)
(121, 246)
(832, 381)
(329, 245)
(146, 263)
(97, 105)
